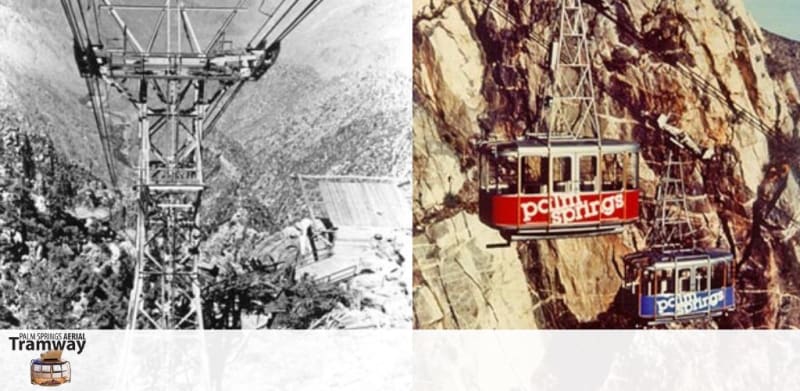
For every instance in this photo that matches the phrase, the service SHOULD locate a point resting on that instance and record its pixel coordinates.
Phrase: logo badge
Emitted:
(50, 370)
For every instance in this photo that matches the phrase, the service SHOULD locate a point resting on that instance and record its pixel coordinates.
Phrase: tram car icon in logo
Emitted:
(50, 370)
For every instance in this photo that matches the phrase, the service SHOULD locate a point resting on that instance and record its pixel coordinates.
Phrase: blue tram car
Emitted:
(679, 285)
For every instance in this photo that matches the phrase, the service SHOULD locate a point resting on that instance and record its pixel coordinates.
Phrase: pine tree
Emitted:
(26, 155)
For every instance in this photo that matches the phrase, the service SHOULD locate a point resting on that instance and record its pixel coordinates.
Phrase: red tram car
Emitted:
(533, 189)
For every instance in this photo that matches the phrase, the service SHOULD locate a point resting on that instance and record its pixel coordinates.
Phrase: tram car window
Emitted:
(631, 171)
(646, 281)
(632, 279)
(718, 278)
(665, 281)
(488, 175)
(685, 280)
(588, 173)
(613, 171)
(507, 175)
(534, 175)
(701, 278)
(562, 174)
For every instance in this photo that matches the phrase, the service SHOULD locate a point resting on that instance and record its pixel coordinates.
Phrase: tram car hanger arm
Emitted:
(681, 139)
(267, 59)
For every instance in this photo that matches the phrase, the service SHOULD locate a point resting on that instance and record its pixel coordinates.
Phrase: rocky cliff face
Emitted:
(703, 62)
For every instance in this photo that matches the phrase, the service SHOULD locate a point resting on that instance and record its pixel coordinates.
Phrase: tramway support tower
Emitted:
(561, 178)
(180, 67)
(673, 279)
(672, 228)
(572, 110)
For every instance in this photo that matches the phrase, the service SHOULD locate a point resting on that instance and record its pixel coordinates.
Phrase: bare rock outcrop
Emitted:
(458, 284)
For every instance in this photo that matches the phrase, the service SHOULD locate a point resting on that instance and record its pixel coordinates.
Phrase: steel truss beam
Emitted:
(572, 109)
(166, 291)
(176, 106)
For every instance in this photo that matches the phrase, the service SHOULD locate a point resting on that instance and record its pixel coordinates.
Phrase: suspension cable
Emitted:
(282, 32)
(266, 22)
(308, 10)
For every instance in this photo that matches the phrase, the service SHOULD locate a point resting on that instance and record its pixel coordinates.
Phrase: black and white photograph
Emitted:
(200, 164)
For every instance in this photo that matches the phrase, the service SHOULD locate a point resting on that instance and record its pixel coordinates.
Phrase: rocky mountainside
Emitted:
(39, 84)
(61, 263)
(354, 124)
(347, 36)
(704, 62)
(785, 56)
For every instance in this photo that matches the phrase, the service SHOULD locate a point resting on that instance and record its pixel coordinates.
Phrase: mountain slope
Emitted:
(57, 249)
(336, 103)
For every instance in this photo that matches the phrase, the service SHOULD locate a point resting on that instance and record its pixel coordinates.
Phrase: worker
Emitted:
(329, 229)
(306, 238)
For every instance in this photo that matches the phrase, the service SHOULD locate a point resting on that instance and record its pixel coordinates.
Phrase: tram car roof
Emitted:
(52, 357)
(685, 257)
(565, 146)
(40, 361)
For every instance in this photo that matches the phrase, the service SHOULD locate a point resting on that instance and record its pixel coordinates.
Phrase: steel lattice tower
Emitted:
(672, 224)
(179, 89)
(572, 107)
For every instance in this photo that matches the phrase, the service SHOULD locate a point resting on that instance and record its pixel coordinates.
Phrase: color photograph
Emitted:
(605, 164)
